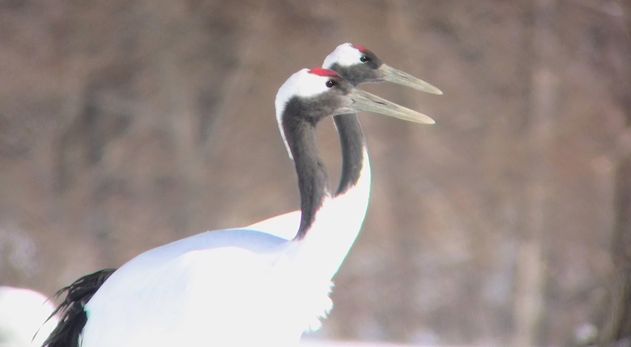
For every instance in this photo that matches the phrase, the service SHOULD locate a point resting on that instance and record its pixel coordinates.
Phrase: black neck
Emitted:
(352, 144)
(350, 132)
(312, 177)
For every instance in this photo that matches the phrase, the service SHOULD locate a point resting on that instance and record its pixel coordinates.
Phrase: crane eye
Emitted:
(364, 59)
(330, 83)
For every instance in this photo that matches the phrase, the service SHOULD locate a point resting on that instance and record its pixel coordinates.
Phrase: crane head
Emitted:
(313, 94)
(310, 95)
(357, 64)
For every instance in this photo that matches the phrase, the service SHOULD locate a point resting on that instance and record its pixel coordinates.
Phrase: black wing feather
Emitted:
(72, 309)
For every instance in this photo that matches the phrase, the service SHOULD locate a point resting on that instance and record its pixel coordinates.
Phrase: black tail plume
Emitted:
(72, 309)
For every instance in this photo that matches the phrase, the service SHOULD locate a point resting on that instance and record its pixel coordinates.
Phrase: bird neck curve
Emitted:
(352, 145)
(340, 218)
(300, 135)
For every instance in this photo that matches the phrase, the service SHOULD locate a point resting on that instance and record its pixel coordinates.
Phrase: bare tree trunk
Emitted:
(530, 271)
(618, 322)
(616, 329)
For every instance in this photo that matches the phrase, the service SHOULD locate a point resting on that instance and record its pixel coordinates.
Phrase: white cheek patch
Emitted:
(302, 84)
(344, 55)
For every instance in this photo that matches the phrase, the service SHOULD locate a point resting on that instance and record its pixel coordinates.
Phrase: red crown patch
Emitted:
(360, 48)
(323, 72)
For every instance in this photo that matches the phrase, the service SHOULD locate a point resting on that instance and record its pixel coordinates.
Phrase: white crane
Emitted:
(357, 65)
(22, 315)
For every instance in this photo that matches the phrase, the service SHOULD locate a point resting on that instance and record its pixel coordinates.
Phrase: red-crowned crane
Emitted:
(22, 315)
(357, 64)
(243, 287)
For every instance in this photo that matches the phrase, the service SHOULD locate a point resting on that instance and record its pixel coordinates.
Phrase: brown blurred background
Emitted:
(128, 124)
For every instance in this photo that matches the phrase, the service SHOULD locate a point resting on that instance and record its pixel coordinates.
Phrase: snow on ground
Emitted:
(327, 343)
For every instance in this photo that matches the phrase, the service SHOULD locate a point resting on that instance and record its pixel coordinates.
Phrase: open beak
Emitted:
(366, 102)
(393, 75)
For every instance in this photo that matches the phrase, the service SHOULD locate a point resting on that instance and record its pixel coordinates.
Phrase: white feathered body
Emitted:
(233, 287)
(208, 290)
(25, 317)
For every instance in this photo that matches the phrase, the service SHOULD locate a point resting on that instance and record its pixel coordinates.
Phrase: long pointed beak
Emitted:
(393, 75)
(366, 102)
